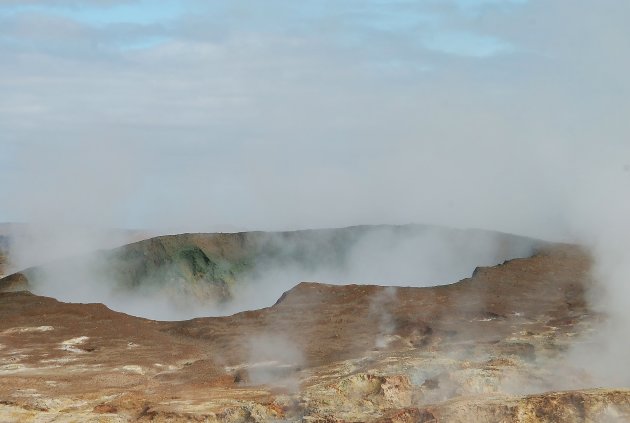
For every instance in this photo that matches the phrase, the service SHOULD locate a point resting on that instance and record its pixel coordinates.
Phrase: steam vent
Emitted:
(502, 345)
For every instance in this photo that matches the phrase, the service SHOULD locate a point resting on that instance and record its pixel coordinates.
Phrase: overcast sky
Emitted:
(199, 115)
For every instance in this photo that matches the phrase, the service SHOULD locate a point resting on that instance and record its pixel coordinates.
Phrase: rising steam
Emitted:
(387, 255)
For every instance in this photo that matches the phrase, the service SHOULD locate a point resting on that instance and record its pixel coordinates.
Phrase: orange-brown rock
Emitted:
(488, 348)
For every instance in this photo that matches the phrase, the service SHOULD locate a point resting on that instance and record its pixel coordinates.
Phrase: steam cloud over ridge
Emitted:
(190, 275)
(508, 116)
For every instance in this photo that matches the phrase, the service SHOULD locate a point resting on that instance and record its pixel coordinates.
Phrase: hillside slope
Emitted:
(254, 268)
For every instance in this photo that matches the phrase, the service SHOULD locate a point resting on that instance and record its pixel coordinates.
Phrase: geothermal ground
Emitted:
(494, 347)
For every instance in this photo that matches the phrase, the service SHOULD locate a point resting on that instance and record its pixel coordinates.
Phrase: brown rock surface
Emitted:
(213, 269)
(488, 348)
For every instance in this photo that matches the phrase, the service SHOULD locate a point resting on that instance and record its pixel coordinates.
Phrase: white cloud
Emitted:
(231, 123)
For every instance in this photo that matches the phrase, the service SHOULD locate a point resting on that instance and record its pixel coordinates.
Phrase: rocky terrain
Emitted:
(202, 269)
(489, 348)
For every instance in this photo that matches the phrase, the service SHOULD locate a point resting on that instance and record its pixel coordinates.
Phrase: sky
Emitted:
(195, 116)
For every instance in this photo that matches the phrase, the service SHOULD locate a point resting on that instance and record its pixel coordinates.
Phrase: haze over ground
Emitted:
(185, 115)
(180, 115)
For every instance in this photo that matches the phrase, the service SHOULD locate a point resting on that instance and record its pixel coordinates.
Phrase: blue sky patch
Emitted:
(143, 12)
(340, 24)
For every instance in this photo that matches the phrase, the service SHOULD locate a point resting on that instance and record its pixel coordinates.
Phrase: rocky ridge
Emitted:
(488, 348)
(211, 268)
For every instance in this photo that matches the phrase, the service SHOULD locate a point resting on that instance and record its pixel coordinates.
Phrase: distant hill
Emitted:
(213, 268)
